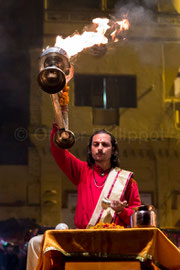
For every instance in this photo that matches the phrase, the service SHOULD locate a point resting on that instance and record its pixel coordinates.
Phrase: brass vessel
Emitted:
(144, 216)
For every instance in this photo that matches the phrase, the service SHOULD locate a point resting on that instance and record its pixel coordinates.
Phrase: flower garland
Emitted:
(102, 225)
(64, 96)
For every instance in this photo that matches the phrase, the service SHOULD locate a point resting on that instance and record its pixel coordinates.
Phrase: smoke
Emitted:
(142, 15)
(137, 11)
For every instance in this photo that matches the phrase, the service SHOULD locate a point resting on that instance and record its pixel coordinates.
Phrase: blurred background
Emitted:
(131, 88)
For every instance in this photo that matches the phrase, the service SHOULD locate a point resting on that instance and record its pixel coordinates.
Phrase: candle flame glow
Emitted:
(78, 42)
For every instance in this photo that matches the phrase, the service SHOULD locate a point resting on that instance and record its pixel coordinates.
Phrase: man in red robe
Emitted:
(90, 178)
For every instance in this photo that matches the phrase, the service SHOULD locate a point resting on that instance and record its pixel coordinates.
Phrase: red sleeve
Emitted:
(68, 163)
(133, 200)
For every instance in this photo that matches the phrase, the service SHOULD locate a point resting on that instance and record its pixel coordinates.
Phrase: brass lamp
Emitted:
(54, 70)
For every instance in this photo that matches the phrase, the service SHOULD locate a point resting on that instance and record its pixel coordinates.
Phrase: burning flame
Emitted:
(78, 42)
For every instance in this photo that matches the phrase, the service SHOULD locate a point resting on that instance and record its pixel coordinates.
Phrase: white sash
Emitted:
(113, 189)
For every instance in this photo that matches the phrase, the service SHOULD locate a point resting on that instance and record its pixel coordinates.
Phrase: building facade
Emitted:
(142, 70)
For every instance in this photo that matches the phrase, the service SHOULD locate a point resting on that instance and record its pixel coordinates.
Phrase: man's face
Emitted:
(101, 147)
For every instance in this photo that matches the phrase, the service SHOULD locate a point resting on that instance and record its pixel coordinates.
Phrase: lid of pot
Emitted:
(144, 208)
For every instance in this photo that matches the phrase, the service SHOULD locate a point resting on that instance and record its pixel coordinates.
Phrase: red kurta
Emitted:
(81, 175)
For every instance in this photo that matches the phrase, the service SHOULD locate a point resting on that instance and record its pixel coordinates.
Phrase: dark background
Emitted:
(21, 29)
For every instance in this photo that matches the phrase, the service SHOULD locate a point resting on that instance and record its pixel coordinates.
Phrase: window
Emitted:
(105, 91)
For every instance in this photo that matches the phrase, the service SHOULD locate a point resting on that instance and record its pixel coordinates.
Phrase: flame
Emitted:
(78, 42)
(119, 27)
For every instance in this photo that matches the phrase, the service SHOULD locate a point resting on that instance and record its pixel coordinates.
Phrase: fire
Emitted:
(78, 42)
(119, 26)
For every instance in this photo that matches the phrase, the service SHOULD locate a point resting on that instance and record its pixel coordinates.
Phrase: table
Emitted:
(106, 249)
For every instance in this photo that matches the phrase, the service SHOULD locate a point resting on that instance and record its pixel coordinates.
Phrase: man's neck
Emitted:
(103, 165)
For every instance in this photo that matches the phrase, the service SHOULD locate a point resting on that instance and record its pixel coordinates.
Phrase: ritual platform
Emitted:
(108, 249)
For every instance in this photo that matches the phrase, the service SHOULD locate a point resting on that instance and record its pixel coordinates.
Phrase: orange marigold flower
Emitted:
(102, 225)
(64, 96)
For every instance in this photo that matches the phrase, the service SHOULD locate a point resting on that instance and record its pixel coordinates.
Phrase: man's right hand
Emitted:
(118, 206)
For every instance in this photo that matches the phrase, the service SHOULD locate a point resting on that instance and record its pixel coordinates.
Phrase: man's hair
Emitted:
(115, 150)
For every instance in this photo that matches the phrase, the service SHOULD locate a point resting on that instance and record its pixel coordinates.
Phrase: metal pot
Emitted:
(54, 67)
(144, 216)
